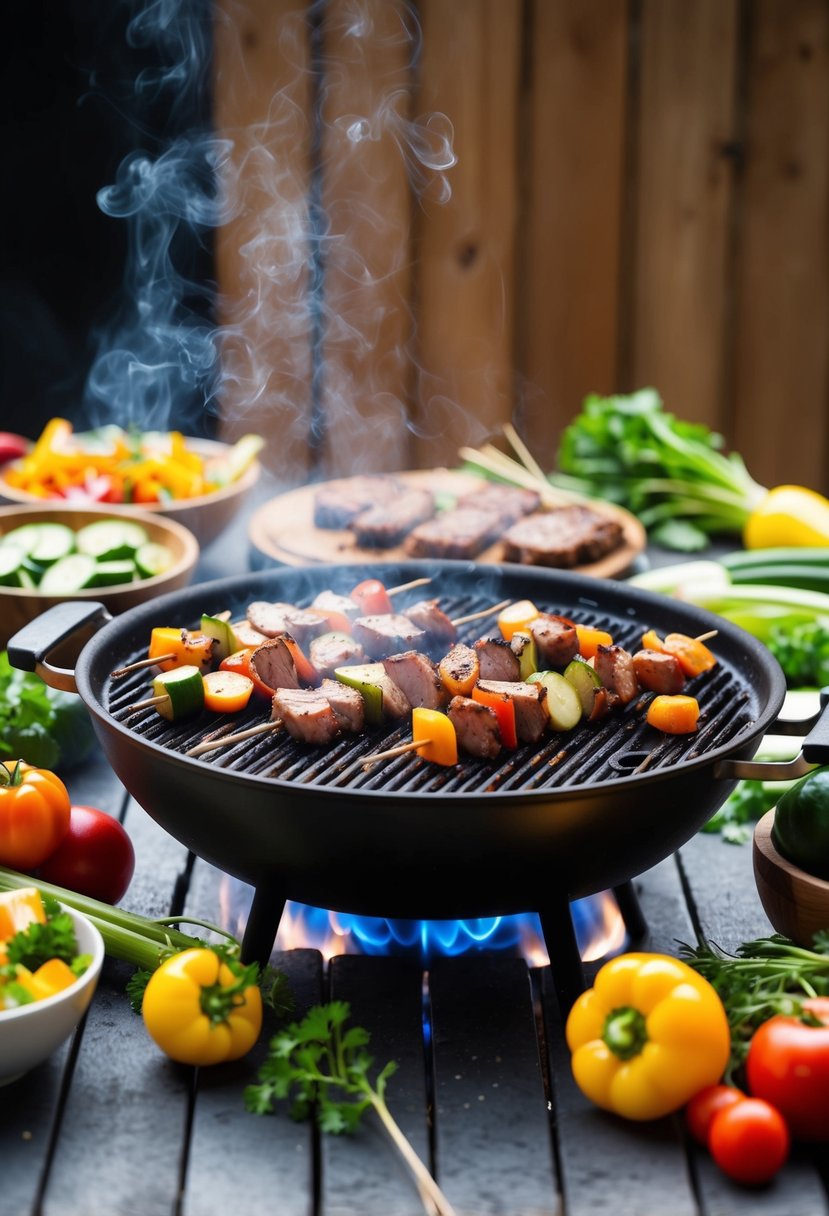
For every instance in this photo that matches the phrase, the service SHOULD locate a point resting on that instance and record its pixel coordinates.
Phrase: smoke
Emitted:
(306, 193)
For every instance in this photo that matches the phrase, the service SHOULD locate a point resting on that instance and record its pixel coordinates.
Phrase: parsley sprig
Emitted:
(54, 938)
(321, 1067)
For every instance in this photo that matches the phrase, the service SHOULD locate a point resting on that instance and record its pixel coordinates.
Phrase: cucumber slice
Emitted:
(11, 564)
(152, 559)
(563, 704)
(54, 542)
(70, 574)
(25, 537)
(112, 574)
(585, 680)
(182, 690)
(111, 540)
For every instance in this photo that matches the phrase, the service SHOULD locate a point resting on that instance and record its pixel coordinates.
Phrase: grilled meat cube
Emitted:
(303, 624)
(306, 715)
(329, 601)
(615, 668)
(338, 502)
(387, 524)
(460, 533)
(269, 619)
(476, 727)
(460, 670)
(556, 640)
(510, 502)
(273, 664)
(531, 717)
(418, 679)
(332, 650)
(347, 704)
(658, 672)
(566, 536)
(433, 621)
(246, 635)
(387, 634)
(497, 660)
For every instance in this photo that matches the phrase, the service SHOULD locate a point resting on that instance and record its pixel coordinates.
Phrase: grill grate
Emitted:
(618, 746)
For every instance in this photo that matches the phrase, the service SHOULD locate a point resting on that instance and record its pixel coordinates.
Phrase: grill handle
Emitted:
(30, 647)
(815, 750)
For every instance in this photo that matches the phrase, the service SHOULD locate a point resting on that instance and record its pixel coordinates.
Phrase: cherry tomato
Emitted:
(788, 1065)
(700, 1111)
(749, 1140)
(372, 598)
(95, 857)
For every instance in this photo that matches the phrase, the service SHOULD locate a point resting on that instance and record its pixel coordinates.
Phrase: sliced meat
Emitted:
(564, 537)
(387, 634)
(268, 619)
(329, 601)
(434, 622)
(273, 664)
(347, 704)
(306, 714)
(460, 533)
(497, 660)
(531, 717)
(614, 667)
(510, 502)
(658, 672)
(303, 624)
(418, 679)
(388, 524)
(555, 639)
(333, 650)
(338, 502)
(246, 635)
(476, 727)
(460, 670)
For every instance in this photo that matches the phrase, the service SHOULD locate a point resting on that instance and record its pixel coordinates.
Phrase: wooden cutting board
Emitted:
(283, 528)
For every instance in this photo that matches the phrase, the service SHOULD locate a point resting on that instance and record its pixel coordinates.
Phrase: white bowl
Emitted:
(30, 1034)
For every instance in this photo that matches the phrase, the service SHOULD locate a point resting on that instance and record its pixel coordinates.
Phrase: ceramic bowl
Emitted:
(30, 1034)
(206, 516)
(796, 903)
(18, 605)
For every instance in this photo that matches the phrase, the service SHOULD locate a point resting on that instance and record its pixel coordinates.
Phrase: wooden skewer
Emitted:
(477, 616)
(227, 740)
(518, 445)
(132, 709)
(706, 637)
(416, 582)
(139, 663)
(412, 746)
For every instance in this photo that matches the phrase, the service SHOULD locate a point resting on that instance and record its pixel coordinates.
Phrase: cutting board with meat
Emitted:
(443, 513)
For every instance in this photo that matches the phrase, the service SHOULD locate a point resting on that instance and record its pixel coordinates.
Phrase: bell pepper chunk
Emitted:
(19, 909)
(673, 715)
(435, 735)
(515, 617)
(504, 710)
(240, 664)
(590, 639)
(372, 598)
(188, 648)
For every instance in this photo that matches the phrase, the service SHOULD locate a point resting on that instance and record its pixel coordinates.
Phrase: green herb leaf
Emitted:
(37, 943)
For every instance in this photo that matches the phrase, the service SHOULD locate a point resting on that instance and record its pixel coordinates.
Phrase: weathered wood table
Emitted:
(110, 1127)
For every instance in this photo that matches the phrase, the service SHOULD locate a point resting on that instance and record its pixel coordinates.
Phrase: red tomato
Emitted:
(95, 858)
(749, 1140)
(12, 447)
(700, 1111)
(788, 1065)
(372, 598)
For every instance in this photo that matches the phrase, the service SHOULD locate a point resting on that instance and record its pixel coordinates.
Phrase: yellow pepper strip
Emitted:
(788, 515)
(516, 617)
(647, 1036)
(434, 735)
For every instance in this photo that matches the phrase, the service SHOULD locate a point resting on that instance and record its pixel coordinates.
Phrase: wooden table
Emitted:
(110, 1127)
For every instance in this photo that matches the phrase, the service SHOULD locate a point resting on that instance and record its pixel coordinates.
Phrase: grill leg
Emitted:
(631, 912)
(262, 924)
(563, 950)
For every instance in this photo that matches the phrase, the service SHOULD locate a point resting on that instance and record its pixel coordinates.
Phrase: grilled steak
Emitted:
(531, 717)
(418, 679)
(387, 634)
(434, 622)
(333, 650)
(246, 635)
(303, 624)
(497, 659)
(329, 601)
(306, 715)
(386, 525)
(566, 536)
(510, 502)
(273, 664)
(476, 727)
(460, 669)
(269, 619)
(460, 533)
(615, 668)
(556, 640)
(337, 503)
(347, 704)
(658, 672)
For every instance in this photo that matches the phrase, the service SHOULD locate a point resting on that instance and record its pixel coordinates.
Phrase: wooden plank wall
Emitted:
(512, 203)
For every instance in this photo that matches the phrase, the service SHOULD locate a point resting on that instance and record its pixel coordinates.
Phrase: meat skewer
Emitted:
(210, 745)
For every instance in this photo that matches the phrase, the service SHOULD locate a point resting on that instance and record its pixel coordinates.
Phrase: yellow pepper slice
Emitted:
(647, 1036)
(435, 736)
(788, 515)
(516, 616)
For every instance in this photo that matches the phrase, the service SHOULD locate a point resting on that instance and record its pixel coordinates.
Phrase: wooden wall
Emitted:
(639, 197)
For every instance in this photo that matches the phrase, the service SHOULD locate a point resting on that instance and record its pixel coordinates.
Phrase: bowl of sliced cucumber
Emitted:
(120, 557)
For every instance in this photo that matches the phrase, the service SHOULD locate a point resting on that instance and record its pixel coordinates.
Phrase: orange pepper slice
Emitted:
(53, 976)
(693, 657)
(435, 735)
(18, 909)
(591, 639)
(187, 648)
(516, 617)
(673, 715)
(226, 692)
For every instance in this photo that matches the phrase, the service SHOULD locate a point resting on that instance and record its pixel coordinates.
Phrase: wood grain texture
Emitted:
(781, 403)
(465, 288)
(684, 183)
(574, 133)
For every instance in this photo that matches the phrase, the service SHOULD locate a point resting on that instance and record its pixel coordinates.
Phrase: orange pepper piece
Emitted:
(516, 617)
(693, 656)
(187, 648)
(18, 909)
(591, 639)
(435, 735)
(226, 692)
(52, 976)
(673, 715)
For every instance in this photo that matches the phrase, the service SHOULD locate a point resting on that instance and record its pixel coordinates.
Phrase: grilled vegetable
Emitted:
(240, 664)
(34, 814)
(647, 1036)
(435, 735)
(226, 692)
(379, 692)
(692, 655)
(564, 704)
(585, 681)
(516, 617)
(179, 648)
(673, 715)
(504, 710)
(371, 598)
(591, 639)
(523, 644)
(181, 693)
(221, 632)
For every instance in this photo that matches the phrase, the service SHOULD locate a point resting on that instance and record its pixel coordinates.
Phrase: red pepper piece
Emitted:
(372, 598)
(504, 711)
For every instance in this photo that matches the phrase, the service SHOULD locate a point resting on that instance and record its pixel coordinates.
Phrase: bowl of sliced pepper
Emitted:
(50, 960)
(199, 483)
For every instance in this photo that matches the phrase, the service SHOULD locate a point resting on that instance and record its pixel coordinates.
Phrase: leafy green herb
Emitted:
(767, 976)
(802, 650)
(628, 450)
(321, 1067)
(39, 942)
(41, 725)
(742, 808)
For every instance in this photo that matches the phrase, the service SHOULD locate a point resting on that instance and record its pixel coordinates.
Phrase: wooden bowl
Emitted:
(19, 605)
(796, 903)
(206, 516)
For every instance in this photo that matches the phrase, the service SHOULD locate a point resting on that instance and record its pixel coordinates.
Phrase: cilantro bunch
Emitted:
(41, 725)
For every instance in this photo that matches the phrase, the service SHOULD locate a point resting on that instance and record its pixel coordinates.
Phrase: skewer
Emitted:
(139, 663)
(518, 445)
(401, 749)
(416, 582)
(227, 740)
(133, 709)
(706, 637)
(477, 616)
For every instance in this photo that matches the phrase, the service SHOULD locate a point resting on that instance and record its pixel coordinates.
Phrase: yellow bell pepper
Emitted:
(647, 1036)
(435, 734)
(788, 515)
